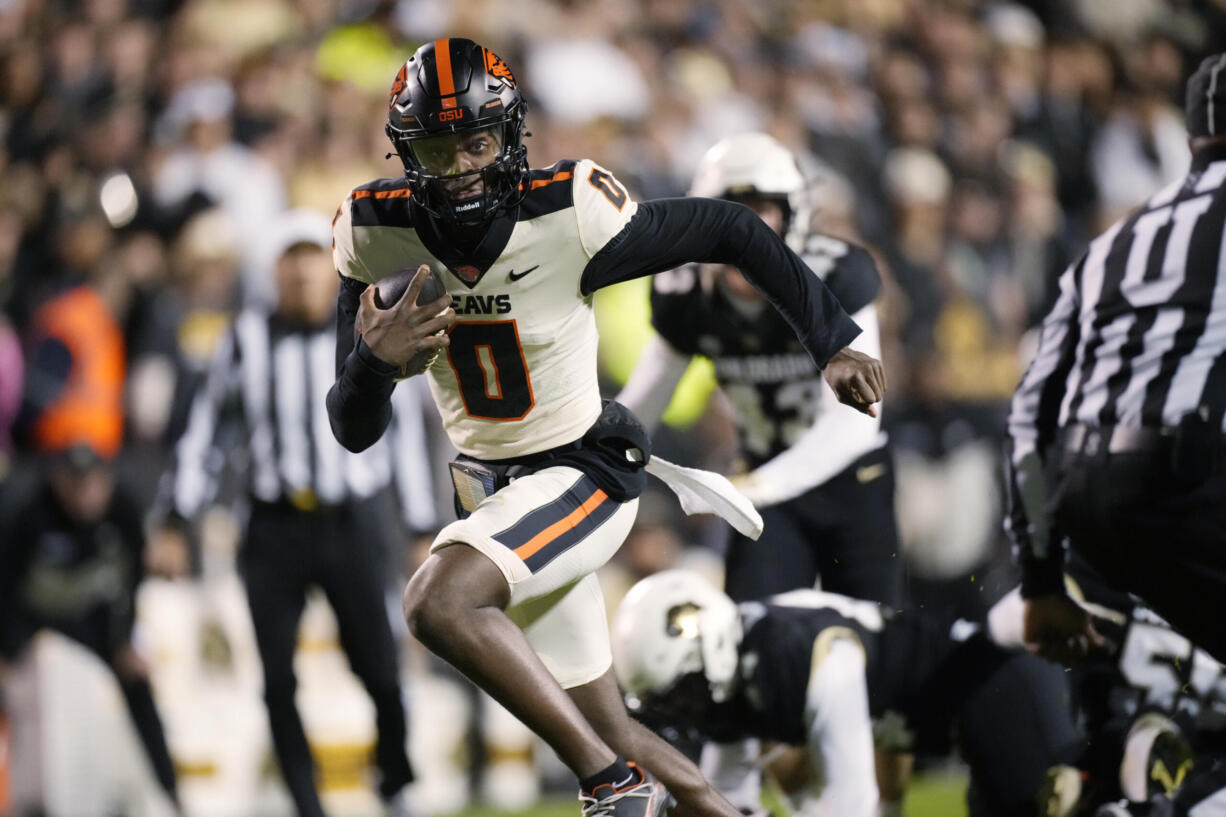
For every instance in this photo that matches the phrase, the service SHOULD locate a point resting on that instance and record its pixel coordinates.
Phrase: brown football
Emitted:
(389, 290)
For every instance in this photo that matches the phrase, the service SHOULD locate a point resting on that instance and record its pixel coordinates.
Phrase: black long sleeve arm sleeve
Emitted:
(359, 402)
(669, 232)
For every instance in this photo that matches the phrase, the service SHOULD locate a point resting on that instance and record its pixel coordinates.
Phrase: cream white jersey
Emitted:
(520, 375)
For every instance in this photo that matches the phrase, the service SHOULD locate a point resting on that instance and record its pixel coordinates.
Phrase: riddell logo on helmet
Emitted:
(451, 116)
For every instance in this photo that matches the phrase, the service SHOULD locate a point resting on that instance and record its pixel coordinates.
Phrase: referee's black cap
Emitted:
(1206, 101)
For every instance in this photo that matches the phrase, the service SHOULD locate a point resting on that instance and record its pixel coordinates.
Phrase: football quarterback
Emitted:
(548, 478)
(821, 476)
(828, 672)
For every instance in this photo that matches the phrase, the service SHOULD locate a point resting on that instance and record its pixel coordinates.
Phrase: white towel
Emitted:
(707, 492)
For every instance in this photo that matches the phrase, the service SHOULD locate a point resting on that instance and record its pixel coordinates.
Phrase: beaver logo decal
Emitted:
(496, 67)
(398, 84)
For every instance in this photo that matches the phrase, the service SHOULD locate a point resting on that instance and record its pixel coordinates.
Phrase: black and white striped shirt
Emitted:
(1136, 338)
(275, 377)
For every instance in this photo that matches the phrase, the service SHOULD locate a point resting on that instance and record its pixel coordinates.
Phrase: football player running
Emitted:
(817, 669)
(820, 475)
(548, 478)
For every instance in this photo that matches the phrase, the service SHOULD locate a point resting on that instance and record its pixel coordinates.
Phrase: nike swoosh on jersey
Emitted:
(868, 473)
(515, 277)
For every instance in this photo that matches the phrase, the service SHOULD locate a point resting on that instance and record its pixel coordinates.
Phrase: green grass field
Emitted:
(932, 795)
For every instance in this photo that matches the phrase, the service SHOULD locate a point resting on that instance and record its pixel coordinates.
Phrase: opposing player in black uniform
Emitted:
(1152, 704)
(821, 476)
(508, 594)
(814, 668)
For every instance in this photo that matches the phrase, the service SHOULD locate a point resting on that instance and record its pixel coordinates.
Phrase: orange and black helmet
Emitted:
(451, 86)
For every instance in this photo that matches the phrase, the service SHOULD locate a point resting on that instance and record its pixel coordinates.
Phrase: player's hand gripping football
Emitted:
(857, 379)
(406, 332)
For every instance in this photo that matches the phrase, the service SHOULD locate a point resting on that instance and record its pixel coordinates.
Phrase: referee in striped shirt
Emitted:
(1116, 433)
(318, 513)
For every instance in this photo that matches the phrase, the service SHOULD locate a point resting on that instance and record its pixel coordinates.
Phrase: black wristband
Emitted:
(371, 370)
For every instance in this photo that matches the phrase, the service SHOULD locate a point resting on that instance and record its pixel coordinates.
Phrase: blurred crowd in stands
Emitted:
(147, 145)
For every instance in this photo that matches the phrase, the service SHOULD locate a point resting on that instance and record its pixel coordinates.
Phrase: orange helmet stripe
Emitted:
(442, 63)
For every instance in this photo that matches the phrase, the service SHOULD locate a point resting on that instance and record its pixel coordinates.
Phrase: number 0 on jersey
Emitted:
(488, 362)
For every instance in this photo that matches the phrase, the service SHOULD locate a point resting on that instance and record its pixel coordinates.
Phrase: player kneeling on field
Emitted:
(1148, 700)
(816, 669)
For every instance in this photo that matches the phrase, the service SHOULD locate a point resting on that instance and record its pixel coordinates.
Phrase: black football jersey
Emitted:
(906, 657)
(1150, 668)
(761, 366)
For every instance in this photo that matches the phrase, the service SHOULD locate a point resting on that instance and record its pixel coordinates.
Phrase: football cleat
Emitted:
(639, 796)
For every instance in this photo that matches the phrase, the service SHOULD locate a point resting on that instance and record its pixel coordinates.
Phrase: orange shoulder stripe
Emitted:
(398, 193)
(560, 176)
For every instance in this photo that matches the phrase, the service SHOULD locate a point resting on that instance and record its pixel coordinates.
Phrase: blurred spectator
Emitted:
(917, 187)
(1036, 230)
(71, 560)
(204, 158)
(11, 374)
(1141, 148)
(74, 375)
(575, 66)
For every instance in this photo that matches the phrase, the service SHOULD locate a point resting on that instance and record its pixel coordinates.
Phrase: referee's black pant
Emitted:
(1153, 532)
(341, 550)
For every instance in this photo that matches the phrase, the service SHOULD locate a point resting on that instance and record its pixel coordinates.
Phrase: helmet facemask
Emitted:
(430, 166)
(688, 700)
